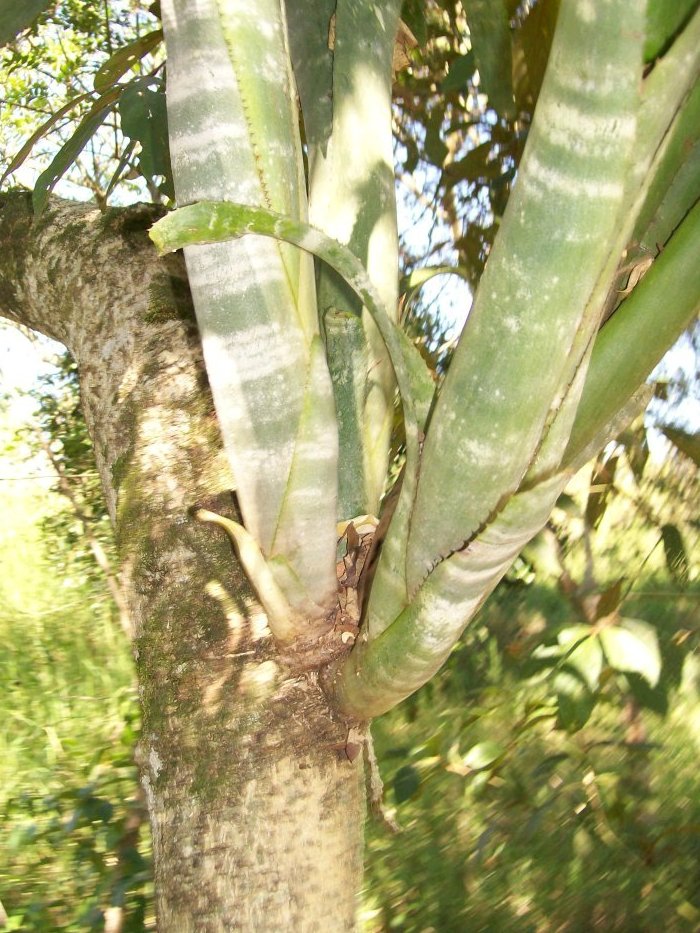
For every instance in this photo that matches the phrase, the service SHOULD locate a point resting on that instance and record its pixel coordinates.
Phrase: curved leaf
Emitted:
(19, 158)
(68, 153)
(274, 602)
(125, 58)
(143, 113)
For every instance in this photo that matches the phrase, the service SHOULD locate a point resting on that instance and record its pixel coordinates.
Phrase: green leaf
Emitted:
(687, 443)
(312, 60)
(504, 387)
(636, 337)
(413, 14)
(255, 300)
(633, 646)
(17, 15)
(582, 653)
(575, 702)
(125, 58)
(483, 755)
(143, 113)
(676, 182)
(609, 600)
(68, 153)
(676, 555)
(490, 37)
(664, 20)
(18, 159)
(406, 783)
(461, 70)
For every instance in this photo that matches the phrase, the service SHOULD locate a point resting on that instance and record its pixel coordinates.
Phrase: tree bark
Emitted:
(256, 809)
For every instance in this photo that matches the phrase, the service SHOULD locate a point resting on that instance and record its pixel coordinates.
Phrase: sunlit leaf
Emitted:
(125, 58)
(483, 755)
(633, 646)
(582, 653)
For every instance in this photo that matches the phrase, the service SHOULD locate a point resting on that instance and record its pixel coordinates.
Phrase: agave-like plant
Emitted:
(303, 368)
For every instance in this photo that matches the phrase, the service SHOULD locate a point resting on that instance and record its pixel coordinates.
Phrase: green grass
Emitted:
(73, 840)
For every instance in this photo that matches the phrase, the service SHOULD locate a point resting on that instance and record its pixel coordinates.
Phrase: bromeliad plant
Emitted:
(304, 360)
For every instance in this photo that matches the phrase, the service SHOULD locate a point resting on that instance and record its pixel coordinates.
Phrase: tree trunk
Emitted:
(256, 808)
(267, 835)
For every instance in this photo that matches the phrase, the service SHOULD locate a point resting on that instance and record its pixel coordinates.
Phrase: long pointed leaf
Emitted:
(125, 58)
(352, 199)
(22, 154)
(69, 152)
(635, 338)
(234, 133)
(520, 345)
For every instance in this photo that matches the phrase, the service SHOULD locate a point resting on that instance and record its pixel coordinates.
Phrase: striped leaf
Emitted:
(352, 199)
(528, 331)
(385, 669)
(216, 222)
(234, 134)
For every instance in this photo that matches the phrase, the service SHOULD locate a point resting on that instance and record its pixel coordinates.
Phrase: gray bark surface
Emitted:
(255, 808)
